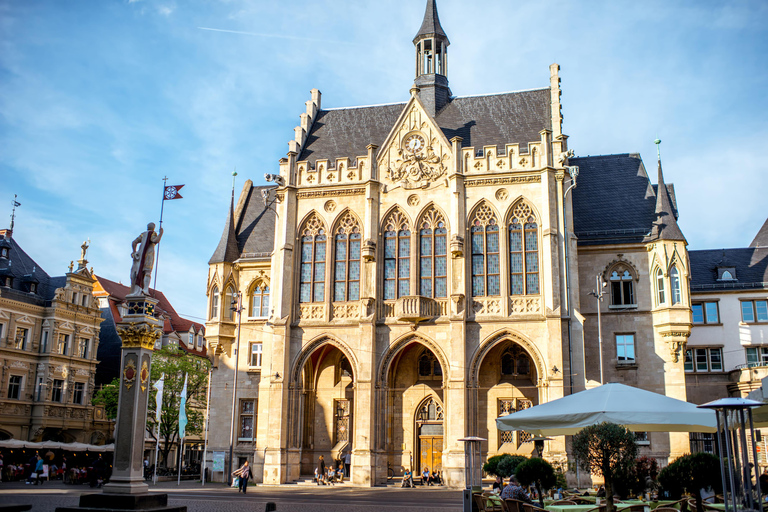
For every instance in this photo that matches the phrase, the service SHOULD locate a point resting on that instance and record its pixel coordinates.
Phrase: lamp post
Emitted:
(598, 294)
(471, 459)
(237, 307)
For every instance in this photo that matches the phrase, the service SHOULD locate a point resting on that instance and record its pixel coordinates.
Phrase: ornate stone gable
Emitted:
(416, 153)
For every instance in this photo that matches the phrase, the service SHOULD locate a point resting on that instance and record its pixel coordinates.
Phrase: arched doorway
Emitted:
(429, 435)
(506, 383)
(325, 416)
(413, 415)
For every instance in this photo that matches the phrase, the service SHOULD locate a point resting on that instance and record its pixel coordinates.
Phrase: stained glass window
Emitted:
(485, 253)
(397, 253)
(433, 267)
(312, 272)
(346, 273)
(523, 252)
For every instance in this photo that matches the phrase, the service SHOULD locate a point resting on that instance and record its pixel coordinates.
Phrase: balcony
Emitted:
(415, 308)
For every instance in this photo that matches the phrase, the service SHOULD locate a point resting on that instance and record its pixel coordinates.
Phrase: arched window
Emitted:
(346, 273)
(430, 410)
(675, 289)
(429, 366)
(397, 253)
(229, 312)
(485, 253)
(622, 287)
(433, 247)
(515, 362)
(312, 274)
(523, 251)
(660, 293)
(215, 303)
(260, 301)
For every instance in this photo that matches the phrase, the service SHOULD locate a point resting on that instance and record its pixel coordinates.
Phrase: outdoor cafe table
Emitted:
(584, 508)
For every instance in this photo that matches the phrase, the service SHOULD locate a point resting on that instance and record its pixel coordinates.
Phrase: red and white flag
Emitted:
(172, 192)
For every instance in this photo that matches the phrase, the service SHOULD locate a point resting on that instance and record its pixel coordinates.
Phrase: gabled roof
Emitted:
(761, 238)
(250, 231)
(430, 26)
(24, 270)
(487, 120)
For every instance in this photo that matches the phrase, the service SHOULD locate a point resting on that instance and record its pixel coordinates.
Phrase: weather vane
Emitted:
(13, 213)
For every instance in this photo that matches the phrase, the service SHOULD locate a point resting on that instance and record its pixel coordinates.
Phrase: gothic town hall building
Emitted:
(418, 269)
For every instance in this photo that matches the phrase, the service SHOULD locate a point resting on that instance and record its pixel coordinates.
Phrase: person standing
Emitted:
(37, 470)
(245, 474)
(347, 463)
(321, 470)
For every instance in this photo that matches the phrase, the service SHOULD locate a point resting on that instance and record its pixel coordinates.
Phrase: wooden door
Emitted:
(430, 453)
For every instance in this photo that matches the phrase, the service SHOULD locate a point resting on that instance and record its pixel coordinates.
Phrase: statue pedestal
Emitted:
(127, 489)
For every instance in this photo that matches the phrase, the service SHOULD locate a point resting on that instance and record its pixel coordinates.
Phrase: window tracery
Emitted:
(430, 410)
(523, 251)
(622, 286)
(397, 253)
(485, 253)
(429, 366)
(433, 248)
(313, 249)
(260, 300)
(515, 362)
(346, 276)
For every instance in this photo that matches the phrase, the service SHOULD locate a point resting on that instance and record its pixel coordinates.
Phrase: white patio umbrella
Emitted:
(637, 409)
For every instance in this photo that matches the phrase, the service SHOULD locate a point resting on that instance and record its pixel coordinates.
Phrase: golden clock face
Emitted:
(414, 143)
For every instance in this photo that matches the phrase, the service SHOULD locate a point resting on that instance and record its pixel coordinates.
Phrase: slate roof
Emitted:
(431, 24)
(614, 201)
(19, 265)
(665, 225)
(761, 238)
(252, 233)
(489, 120)
(751, 265)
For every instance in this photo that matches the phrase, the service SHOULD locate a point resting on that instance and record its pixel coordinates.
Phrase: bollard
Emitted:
(271, 507)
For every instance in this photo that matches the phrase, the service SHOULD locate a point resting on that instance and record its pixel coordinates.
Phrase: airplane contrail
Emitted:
(276, 36)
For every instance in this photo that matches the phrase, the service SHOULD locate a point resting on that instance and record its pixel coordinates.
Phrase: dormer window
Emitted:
(32, 287)
(726, 273)
(4, 252)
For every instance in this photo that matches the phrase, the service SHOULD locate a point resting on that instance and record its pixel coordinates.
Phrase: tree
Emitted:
(605, 449)
(636, 479)
(692, 473)
(175, 364)
(538, 472)
(108, 396)
(503, 465)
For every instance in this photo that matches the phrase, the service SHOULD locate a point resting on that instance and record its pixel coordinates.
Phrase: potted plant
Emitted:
(537, 472)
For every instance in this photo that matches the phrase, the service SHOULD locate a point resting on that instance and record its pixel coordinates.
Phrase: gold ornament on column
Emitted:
(129, 373)
(138, 335)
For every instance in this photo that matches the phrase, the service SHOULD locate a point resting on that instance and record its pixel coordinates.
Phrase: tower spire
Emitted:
(431, 45)
(665, 226)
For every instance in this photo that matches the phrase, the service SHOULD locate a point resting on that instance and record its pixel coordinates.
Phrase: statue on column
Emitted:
(143, 256)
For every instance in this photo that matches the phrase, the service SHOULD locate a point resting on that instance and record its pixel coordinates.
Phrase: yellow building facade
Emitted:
(418, 269)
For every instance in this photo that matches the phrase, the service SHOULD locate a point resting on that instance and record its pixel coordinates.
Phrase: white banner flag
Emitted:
(159, 385)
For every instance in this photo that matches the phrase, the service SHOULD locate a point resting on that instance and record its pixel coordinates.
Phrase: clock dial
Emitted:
(414, 143)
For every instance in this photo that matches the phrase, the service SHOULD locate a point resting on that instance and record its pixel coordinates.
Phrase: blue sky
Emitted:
(101, 99)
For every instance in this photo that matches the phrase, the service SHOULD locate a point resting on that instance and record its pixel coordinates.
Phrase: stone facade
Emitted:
(49, 336)
(434, 274)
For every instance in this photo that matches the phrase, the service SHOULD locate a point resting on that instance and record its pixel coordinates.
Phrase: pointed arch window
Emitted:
(312, 273)
(674, 285)
(660, 291)
(485, 253)
(622, 287)
(260, 301)
(429, 366)
(397, 253)
(215, 303)
(433, 246)
(346, 274)
(229, 312)
(523, 251)
(515, 362)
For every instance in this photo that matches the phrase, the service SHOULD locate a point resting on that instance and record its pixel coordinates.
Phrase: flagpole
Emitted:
(181, 459)
(158, 415)
(157, 256)
(157, 451)
(207, 424)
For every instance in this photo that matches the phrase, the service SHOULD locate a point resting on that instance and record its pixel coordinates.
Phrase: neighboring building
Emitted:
(423, 267)
(49, 337)
(177, 331)
(727, 353)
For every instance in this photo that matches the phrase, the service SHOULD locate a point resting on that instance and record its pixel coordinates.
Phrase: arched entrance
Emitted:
(412, 415)
(429, 431)
(326, 405)
(506, 382)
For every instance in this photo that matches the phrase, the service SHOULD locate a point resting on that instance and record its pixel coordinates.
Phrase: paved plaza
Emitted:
(216, 497)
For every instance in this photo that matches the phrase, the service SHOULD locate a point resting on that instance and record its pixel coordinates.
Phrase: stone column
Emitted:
(126, 489)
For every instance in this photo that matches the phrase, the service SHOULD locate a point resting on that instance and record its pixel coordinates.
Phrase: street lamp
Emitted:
(598, 294)
(237, 307)
(471, 461)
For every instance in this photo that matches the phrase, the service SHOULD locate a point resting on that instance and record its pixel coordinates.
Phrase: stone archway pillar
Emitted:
(363, 460)
(456, 416)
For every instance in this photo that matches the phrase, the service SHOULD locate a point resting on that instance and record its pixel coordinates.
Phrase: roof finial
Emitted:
(234, 175)
(658, 148)
(13, 213)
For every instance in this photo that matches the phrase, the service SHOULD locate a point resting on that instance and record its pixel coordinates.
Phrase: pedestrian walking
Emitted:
(321, 470)
(347, 463)
(243, 473)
